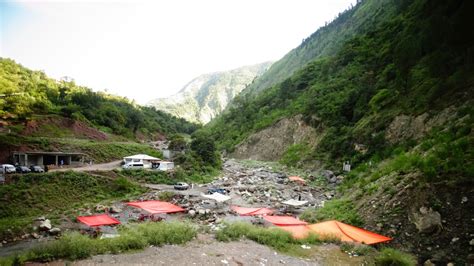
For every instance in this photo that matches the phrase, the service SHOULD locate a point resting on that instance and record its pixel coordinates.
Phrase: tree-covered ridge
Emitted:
(24, 93)
(326, 41)
(206, 96)
(418, 60)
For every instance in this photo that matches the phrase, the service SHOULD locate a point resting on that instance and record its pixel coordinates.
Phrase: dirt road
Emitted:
(93, 167)
(206, 251)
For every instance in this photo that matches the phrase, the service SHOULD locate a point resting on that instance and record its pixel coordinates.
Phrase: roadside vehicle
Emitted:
(181, 186)
(8, 168)
(22, 169)
(36, 169)
(2, 176)
(218, 190)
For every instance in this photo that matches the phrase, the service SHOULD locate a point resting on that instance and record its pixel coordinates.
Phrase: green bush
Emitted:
(393, 257)
(337, 209)
(74, 246)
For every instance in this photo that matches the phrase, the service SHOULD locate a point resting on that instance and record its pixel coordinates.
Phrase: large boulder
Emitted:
(45, 225)
(426, 220)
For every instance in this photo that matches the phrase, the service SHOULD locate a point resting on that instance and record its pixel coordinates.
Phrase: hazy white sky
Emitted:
(149, 49)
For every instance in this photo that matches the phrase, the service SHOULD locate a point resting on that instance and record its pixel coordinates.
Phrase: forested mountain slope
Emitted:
(395, 99)
(207, 95)
(27, 94)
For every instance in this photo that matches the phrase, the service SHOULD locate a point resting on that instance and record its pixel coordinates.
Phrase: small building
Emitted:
(28, 158)
(163, 165)
(141, 159)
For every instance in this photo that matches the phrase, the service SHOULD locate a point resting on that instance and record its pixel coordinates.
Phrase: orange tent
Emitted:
(297, 179)
(297, 231)
(347, 233)
(243, 211)
(284, 220)
(155, 206)
(98, 220)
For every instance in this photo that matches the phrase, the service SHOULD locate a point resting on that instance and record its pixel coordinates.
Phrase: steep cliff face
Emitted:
(207, 95)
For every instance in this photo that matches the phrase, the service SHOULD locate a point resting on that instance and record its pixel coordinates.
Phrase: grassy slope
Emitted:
(52, 195)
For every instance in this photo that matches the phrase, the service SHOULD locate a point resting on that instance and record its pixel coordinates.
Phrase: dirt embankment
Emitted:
(66, 126)
(271, 143)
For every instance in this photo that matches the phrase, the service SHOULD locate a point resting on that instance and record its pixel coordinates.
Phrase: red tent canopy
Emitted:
(243, 211)
(284, 220)
(297, 179)
(155, 206)
(98, 220)
(347, 232)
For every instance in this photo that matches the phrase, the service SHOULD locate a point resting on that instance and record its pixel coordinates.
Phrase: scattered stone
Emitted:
(463, 200)
(45, 225)
(471, 242)
(427, 221)
(202, 212)
(192, 213)
(207, 211)
(305, 247)
(54, 231)
(114, 209)
(100, 208)
(41, 218)
(450, 264)
(455, 239)
(225, 261)
(428, 263)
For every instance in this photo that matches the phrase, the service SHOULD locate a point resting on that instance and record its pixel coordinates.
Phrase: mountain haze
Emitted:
(206, 96)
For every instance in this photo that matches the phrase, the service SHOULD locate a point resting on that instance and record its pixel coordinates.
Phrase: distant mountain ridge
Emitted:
(204, 97)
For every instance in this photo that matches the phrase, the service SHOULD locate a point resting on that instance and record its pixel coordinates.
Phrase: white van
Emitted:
(8, 168)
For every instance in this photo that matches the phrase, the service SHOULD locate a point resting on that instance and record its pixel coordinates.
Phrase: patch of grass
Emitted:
(357, 249)
(75, 246)
(295, 154)
(393, 257)
(166, 195)
(273, 237)
(337, 209)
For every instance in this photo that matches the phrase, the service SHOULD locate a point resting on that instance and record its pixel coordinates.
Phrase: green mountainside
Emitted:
(41, 114)
(25, 94)
(207, 95)
(389, 88)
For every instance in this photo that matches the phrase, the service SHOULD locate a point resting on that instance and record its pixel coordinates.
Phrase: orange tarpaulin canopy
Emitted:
(98, 220)
(297, 179)
(155, 206)
(251, 211)
(347, 232)
(297, 231)
(284, 220)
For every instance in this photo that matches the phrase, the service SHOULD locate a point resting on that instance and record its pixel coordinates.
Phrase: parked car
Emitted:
(8, 168)
(218, 190)
(2, 176)
(181, 186)
(22, 169)
(36, 169)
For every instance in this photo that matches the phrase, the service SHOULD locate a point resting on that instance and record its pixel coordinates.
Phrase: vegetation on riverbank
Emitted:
(74, 246)
(52, 194)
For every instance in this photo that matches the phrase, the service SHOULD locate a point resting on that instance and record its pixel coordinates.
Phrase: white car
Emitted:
(8, 168)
